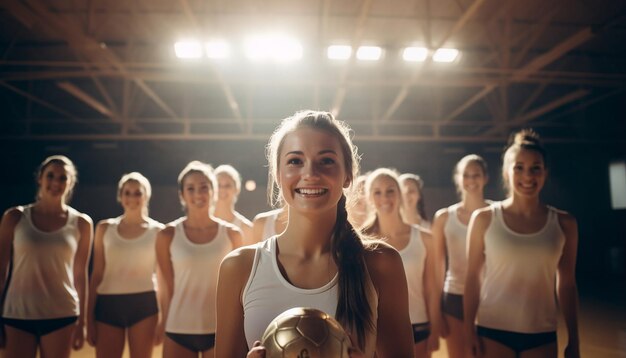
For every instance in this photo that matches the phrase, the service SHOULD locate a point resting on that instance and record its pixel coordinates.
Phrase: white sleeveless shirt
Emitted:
(42, 283)
(518, 293)
(196, 266)
(456, 245)
(130, 264)
(268, 294)
(414, 261)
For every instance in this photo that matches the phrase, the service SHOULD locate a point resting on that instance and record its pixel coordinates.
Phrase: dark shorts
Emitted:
(421, 331)
(518, 342)
(452, 305)
(39, 327)
(193, 342)
(126, 310)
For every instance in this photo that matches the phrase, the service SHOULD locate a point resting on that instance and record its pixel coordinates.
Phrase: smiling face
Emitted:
(410, 193)
(227, 189)
(55, 182)
(384, 194)
(526, 173)
(196, 191)
(472, 179)
(311, 170)
(133, 196)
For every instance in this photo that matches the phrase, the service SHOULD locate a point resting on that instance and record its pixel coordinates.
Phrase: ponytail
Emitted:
(353, 308)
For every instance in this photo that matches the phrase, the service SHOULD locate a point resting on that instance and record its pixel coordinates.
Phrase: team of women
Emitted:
(357, 246)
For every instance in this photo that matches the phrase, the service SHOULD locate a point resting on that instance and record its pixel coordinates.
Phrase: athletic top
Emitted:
(192, 310)
(414, 261)
(456, 245)
(518, 293)
(268, 294)
(269, 229)
(42, 283)
(130, 264)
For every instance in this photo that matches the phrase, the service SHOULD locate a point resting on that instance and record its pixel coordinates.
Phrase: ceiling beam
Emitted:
(475, 98)
(39, 101)
(34, 11)
(86, 98)
(406, 86)
(540, 111)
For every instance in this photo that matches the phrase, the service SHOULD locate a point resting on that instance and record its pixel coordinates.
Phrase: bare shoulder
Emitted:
(84, 219)
(238, 262)
(264, 215)
(567, 221)
(381, 257)
(482, 215)
(425, 234)
(244, 220)
(441, 215)
(13, 215)
(167, 233)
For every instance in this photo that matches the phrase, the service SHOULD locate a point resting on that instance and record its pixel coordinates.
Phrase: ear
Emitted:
(347, 182)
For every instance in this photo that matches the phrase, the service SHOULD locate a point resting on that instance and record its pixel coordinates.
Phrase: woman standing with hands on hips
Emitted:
(528, 252)
(319, 261)
(123, 299)
(44, 302)
(189, 252)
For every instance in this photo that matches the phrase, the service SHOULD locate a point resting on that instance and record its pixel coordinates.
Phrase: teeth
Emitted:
(311, 191)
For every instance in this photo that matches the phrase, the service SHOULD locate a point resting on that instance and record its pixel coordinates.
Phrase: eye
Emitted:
(294, 161)
(327, 161)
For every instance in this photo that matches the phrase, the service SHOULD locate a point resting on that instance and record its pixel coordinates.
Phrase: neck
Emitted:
(198, 216)
(389, 225)
(308, 235)
(523, 205)
(51, 206)
(224, 210)
(472, 202)
(133, 216)
(412, 215)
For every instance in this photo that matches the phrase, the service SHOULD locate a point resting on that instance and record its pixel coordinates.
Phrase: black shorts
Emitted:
(421, 331)
(518, 342)
(452, 305)
(125, 310)
(193, 342)
(39, 327)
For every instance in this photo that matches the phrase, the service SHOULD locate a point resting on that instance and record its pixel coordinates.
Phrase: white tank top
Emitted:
(456, 237)
(268, 294)
(192, 310)
(414, 261)
(130, 264)
(518, 293)
(269, 229)
(42, 283)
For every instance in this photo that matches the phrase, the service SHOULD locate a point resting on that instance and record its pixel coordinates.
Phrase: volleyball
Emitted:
(305, 333)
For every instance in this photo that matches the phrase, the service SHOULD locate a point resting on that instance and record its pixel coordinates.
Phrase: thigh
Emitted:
(550, 350)
(209, 353)
(420, 349)
(109, 340)
(58, 343)
(172, 349)
(19, 343)
(455, 341)
(495, 349)
(141, 337)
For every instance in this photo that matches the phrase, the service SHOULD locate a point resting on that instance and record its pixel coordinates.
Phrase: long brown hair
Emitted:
(347, 247)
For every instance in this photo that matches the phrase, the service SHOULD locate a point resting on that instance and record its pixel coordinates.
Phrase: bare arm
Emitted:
(394, 334)
(236, 237)
(475, 260)
(439, 260)
(81, 259)
(165, 267)
(257, 229)
(233, 275)
(433, 292)
(96, 279)
(566, 283)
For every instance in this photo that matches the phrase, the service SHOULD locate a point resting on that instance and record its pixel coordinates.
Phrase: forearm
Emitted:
(568, 300)
(80, 282)
(470, 302)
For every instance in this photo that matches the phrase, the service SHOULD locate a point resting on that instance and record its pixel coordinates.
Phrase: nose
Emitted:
(310, 171)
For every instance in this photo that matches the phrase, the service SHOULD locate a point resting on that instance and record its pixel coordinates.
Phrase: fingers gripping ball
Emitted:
(305, 333)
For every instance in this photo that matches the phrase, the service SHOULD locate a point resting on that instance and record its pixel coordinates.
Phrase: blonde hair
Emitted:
(70, 168)
(196, 166)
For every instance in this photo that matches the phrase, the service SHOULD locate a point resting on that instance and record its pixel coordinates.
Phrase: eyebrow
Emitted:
(325, 151)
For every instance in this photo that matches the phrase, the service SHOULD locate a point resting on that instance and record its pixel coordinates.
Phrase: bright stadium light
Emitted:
(273, 47)
(217, 49)
(445, 55)
(369, 53)
(188, 49)
(415, 54)
(339, 52)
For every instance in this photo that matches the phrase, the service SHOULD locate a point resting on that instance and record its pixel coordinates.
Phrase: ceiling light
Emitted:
(217, 49)
(188, 49)
(339, 52)
(273, 47)
(445, 55)
(415, 54)
(369, 53)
